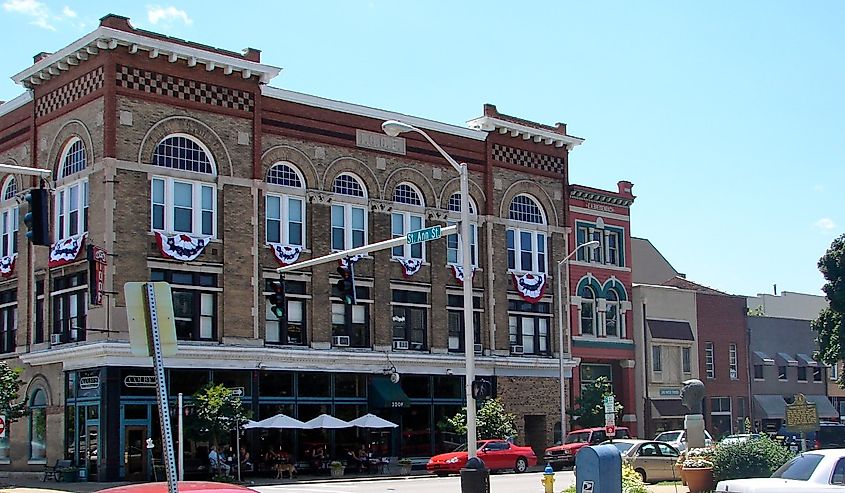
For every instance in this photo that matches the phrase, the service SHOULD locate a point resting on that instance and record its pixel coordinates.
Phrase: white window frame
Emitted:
(733, 365)
(592, 302)
(65, 188)
(721, 412)
(617, 303)
(9, 218)
(536, 265)
(348, 203)
(407, 227)
(709, 359)
(196, 206)
(656, 358)
(453, 218)
(285, 194)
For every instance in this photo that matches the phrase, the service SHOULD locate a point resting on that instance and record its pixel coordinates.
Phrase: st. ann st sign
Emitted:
(421, 235)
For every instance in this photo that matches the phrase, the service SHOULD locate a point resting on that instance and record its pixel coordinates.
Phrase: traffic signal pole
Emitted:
(382, 245)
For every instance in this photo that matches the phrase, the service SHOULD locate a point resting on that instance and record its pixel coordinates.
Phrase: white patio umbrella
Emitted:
(278, 421)
(372, 421)
(326, 421)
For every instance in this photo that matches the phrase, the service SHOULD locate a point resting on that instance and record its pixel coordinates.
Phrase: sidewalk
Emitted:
(667, 488)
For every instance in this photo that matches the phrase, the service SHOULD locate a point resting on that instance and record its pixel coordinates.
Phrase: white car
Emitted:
(678, 439)
(819, 471)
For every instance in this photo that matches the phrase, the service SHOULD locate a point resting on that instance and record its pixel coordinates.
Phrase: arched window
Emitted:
(71, 197)
(612, 315)
(588, 310)
(349, 213)
(9, 218)
(453, 246)
(181, 205)
(285, 209)
(38, 425)
(407, 216)
(526, 244)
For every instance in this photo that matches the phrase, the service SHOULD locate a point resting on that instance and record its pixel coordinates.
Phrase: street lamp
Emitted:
(560, 324)
(394, 128)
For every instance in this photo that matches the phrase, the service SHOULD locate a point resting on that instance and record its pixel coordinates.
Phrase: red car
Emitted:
(496, 454)
(182, 486)
(560, 456)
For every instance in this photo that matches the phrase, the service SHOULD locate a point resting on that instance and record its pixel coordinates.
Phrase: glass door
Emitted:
(135, 453)
(91, 449)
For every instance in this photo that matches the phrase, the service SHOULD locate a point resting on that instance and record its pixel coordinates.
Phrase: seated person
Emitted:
(317, 458)
(246, 463)
(353, 461)
(217, 463)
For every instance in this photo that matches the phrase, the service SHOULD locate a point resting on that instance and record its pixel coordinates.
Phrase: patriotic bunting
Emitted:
(285, 254)
(530, 286)
(7, 264)
(352, 259)
(65, 251)
(458, 272)
(180, 247)
(410, 265)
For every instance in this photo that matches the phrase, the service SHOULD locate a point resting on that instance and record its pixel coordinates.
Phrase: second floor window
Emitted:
(709, 363)
(70, 306)
(9, 218)
(351, 323)
(453, 246)
(686, 360)
(8, 320)
(285, 209)
(656, 359)
(526, 243)
(613, 314)
(455, 314)
(291, 328)
(71, 195)
(528, 327)
(734, 366)
(409, 319)
(194, 303)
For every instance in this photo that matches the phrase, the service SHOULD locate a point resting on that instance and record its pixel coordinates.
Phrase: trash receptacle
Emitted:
(475, 477)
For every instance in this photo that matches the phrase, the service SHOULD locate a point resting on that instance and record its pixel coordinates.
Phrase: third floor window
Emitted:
(526, 242)
(349, 213)
(71, 195)
(9, 218)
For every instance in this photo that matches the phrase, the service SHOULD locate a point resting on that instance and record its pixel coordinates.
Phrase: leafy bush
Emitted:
(631, 481)
(757, 458)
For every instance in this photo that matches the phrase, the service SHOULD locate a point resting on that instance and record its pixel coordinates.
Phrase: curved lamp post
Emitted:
(564, 309)
(393, 128)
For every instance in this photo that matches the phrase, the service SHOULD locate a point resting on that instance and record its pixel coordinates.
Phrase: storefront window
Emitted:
(314, 384)
(448, 387)
(38, 426)
(187, 382)
(275, 384)
(348, 439)
(241, 380)
(350, 385)
(70, 430)
(416, 431)
(446, 441)
(417, 387)
(137, 382)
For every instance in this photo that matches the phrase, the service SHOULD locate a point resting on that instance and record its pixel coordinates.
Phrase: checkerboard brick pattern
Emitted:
(521, 157)
(184, 89)
(70, 92)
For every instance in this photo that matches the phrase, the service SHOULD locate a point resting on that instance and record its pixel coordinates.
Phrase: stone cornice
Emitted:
(603, 198)
(525, 132)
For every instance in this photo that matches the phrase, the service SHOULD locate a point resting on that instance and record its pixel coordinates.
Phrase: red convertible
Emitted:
(496, 454)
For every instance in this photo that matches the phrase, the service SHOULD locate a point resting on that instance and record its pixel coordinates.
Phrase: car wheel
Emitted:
(521, 465)
(441, 474)
(641, 473)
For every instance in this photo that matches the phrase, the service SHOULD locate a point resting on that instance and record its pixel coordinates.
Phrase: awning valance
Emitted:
(386, 394)
(824, 407)
(805, 360)
(770, 406)
(785, 359)
(670, 329)
(668, 408)
(761, 358)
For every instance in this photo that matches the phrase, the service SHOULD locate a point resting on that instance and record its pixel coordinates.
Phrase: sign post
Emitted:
(610, 417)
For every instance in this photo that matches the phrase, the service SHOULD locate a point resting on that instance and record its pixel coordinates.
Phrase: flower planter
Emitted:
(70, 476)
(679, 473)
(336, 471)
(405, 469)
(699, 479)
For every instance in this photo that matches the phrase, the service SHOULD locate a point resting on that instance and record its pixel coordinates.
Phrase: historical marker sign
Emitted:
(421, 235)
(801, 416)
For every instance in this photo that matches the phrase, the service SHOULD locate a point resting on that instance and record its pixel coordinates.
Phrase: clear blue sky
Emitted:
(727, 116)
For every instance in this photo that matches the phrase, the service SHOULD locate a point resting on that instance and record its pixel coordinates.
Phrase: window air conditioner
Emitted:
(55, 338)
(74, 334)
(477, 348)
(400, 345)
(733, 374)
(516, 349)
(340, 341)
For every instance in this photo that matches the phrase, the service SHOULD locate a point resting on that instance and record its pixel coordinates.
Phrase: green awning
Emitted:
(386, 394)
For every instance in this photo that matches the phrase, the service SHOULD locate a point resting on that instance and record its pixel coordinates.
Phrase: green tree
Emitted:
(492, 421)
(589, 406)
(829, 326)
(10, 404)
(218, 412)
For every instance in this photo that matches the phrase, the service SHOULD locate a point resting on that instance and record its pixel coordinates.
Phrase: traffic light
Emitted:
(277, 298)
(481, 389)
(37, 218)
(346, 284)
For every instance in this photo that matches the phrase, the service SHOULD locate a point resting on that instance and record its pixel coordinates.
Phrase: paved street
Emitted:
(499, 483)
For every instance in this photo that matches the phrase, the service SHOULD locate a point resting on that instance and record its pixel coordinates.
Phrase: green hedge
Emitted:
(757, 458)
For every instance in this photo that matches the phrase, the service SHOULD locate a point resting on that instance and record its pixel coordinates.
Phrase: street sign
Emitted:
(421, 235)
(137, 312)
(610, 412)
(610, 431)
(801, 416)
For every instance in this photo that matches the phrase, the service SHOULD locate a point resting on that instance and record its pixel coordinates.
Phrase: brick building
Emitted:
(601, 319)
(184, 166)
(722, 355)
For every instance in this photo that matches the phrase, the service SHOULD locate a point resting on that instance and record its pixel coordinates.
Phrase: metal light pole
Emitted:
(561, 327)
(394, 128)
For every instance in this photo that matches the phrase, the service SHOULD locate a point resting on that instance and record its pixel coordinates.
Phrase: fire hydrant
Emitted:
(548, 479)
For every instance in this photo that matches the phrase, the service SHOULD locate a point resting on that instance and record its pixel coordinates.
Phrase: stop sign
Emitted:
(610, 431)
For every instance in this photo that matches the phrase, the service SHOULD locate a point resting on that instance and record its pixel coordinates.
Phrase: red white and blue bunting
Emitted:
(285, 254)
(530, 286)
(458, 272)
(7, 264)
(352, 259)
(180, 247)
(65, 251)
(410, 265)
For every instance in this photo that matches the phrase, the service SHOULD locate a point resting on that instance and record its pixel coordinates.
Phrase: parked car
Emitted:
(738, 438)
(562, 455)
(182, 487)
(819, 471)
(829, 435)
(678, 439)
(496, 454)
(653, 461)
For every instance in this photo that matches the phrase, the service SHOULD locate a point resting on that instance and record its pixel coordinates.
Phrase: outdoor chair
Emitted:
(55, 471)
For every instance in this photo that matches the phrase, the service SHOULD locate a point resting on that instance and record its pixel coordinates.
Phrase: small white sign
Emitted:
(587, 487)
(609, 404)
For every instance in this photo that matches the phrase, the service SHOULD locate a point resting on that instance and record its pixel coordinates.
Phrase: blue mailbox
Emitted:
(598, 469)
